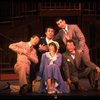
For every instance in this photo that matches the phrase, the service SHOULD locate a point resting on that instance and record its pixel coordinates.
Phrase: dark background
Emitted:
(20, 19)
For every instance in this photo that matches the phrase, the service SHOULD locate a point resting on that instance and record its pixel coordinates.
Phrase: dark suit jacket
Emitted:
(69, 65)
(39, 53)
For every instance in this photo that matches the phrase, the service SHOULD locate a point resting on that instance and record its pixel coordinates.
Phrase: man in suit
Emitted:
(67, 32)
(25, 54)
(44, 41)
(74, 70)
(41, 48)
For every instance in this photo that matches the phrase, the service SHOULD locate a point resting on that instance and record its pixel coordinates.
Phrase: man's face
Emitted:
(50, 33)
(70, 46)
(35, 40)
(61, 23)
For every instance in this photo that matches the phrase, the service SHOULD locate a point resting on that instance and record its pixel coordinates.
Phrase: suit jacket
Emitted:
(69, 65)
(24, 58)
(75, 34)
(42, 42)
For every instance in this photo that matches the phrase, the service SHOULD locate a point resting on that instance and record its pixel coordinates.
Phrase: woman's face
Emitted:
(52, 48)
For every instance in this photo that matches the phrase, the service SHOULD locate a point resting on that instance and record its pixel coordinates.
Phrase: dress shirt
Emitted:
(66, 32)
(48, 41)
(73, 55)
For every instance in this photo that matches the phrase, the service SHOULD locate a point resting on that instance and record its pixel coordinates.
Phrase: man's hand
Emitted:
(69, 81)
(43, 47)
(79, 51)
(98, 69)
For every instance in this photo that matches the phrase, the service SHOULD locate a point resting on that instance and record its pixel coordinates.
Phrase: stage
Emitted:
(6, 93)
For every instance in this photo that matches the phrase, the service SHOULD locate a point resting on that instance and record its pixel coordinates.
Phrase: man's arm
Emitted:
(57, 36)
(65, 66)
(33, 56)
(17, 47)
(80, 37)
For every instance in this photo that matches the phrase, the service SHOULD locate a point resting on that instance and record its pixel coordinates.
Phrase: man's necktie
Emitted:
(65, 31)
(66, 34)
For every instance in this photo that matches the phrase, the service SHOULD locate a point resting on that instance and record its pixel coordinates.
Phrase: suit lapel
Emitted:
(70, 31)
(63, 37)
(70, 58)
(77, 59)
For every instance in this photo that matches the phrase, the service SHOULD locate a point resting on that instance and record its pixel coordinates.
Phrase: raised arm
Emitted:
(17, 47)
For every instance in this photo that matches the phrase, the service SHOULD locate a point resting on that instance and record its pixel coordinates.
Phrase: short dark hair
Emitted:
(57, 19)
(35, 35)
(52, 43)
(71, 40)
(49, 27)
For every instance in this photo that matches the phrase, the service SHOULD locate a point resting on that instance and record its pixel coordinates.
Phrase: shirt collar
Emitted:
(29, 44)
(66, 28)
(48, 41)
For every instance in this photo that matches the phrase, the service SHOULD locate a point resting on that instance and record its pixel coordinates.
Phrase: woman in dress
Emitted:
(50, 75)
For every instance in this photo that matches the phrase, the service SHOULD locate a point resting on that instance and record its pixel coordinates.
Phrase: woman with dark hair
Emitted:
(51, 79)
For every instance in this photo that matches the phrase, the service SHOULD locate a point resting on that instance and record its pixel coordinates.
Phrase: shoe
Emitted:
(57, 91)
(8, 86)
(97, 88)
(24, 89)
(82, 89)
(51, 91)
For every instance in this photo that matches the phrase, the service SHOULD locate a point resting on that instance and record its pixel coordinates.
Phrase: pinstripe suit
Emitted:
(74, 33)
(74, 71)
